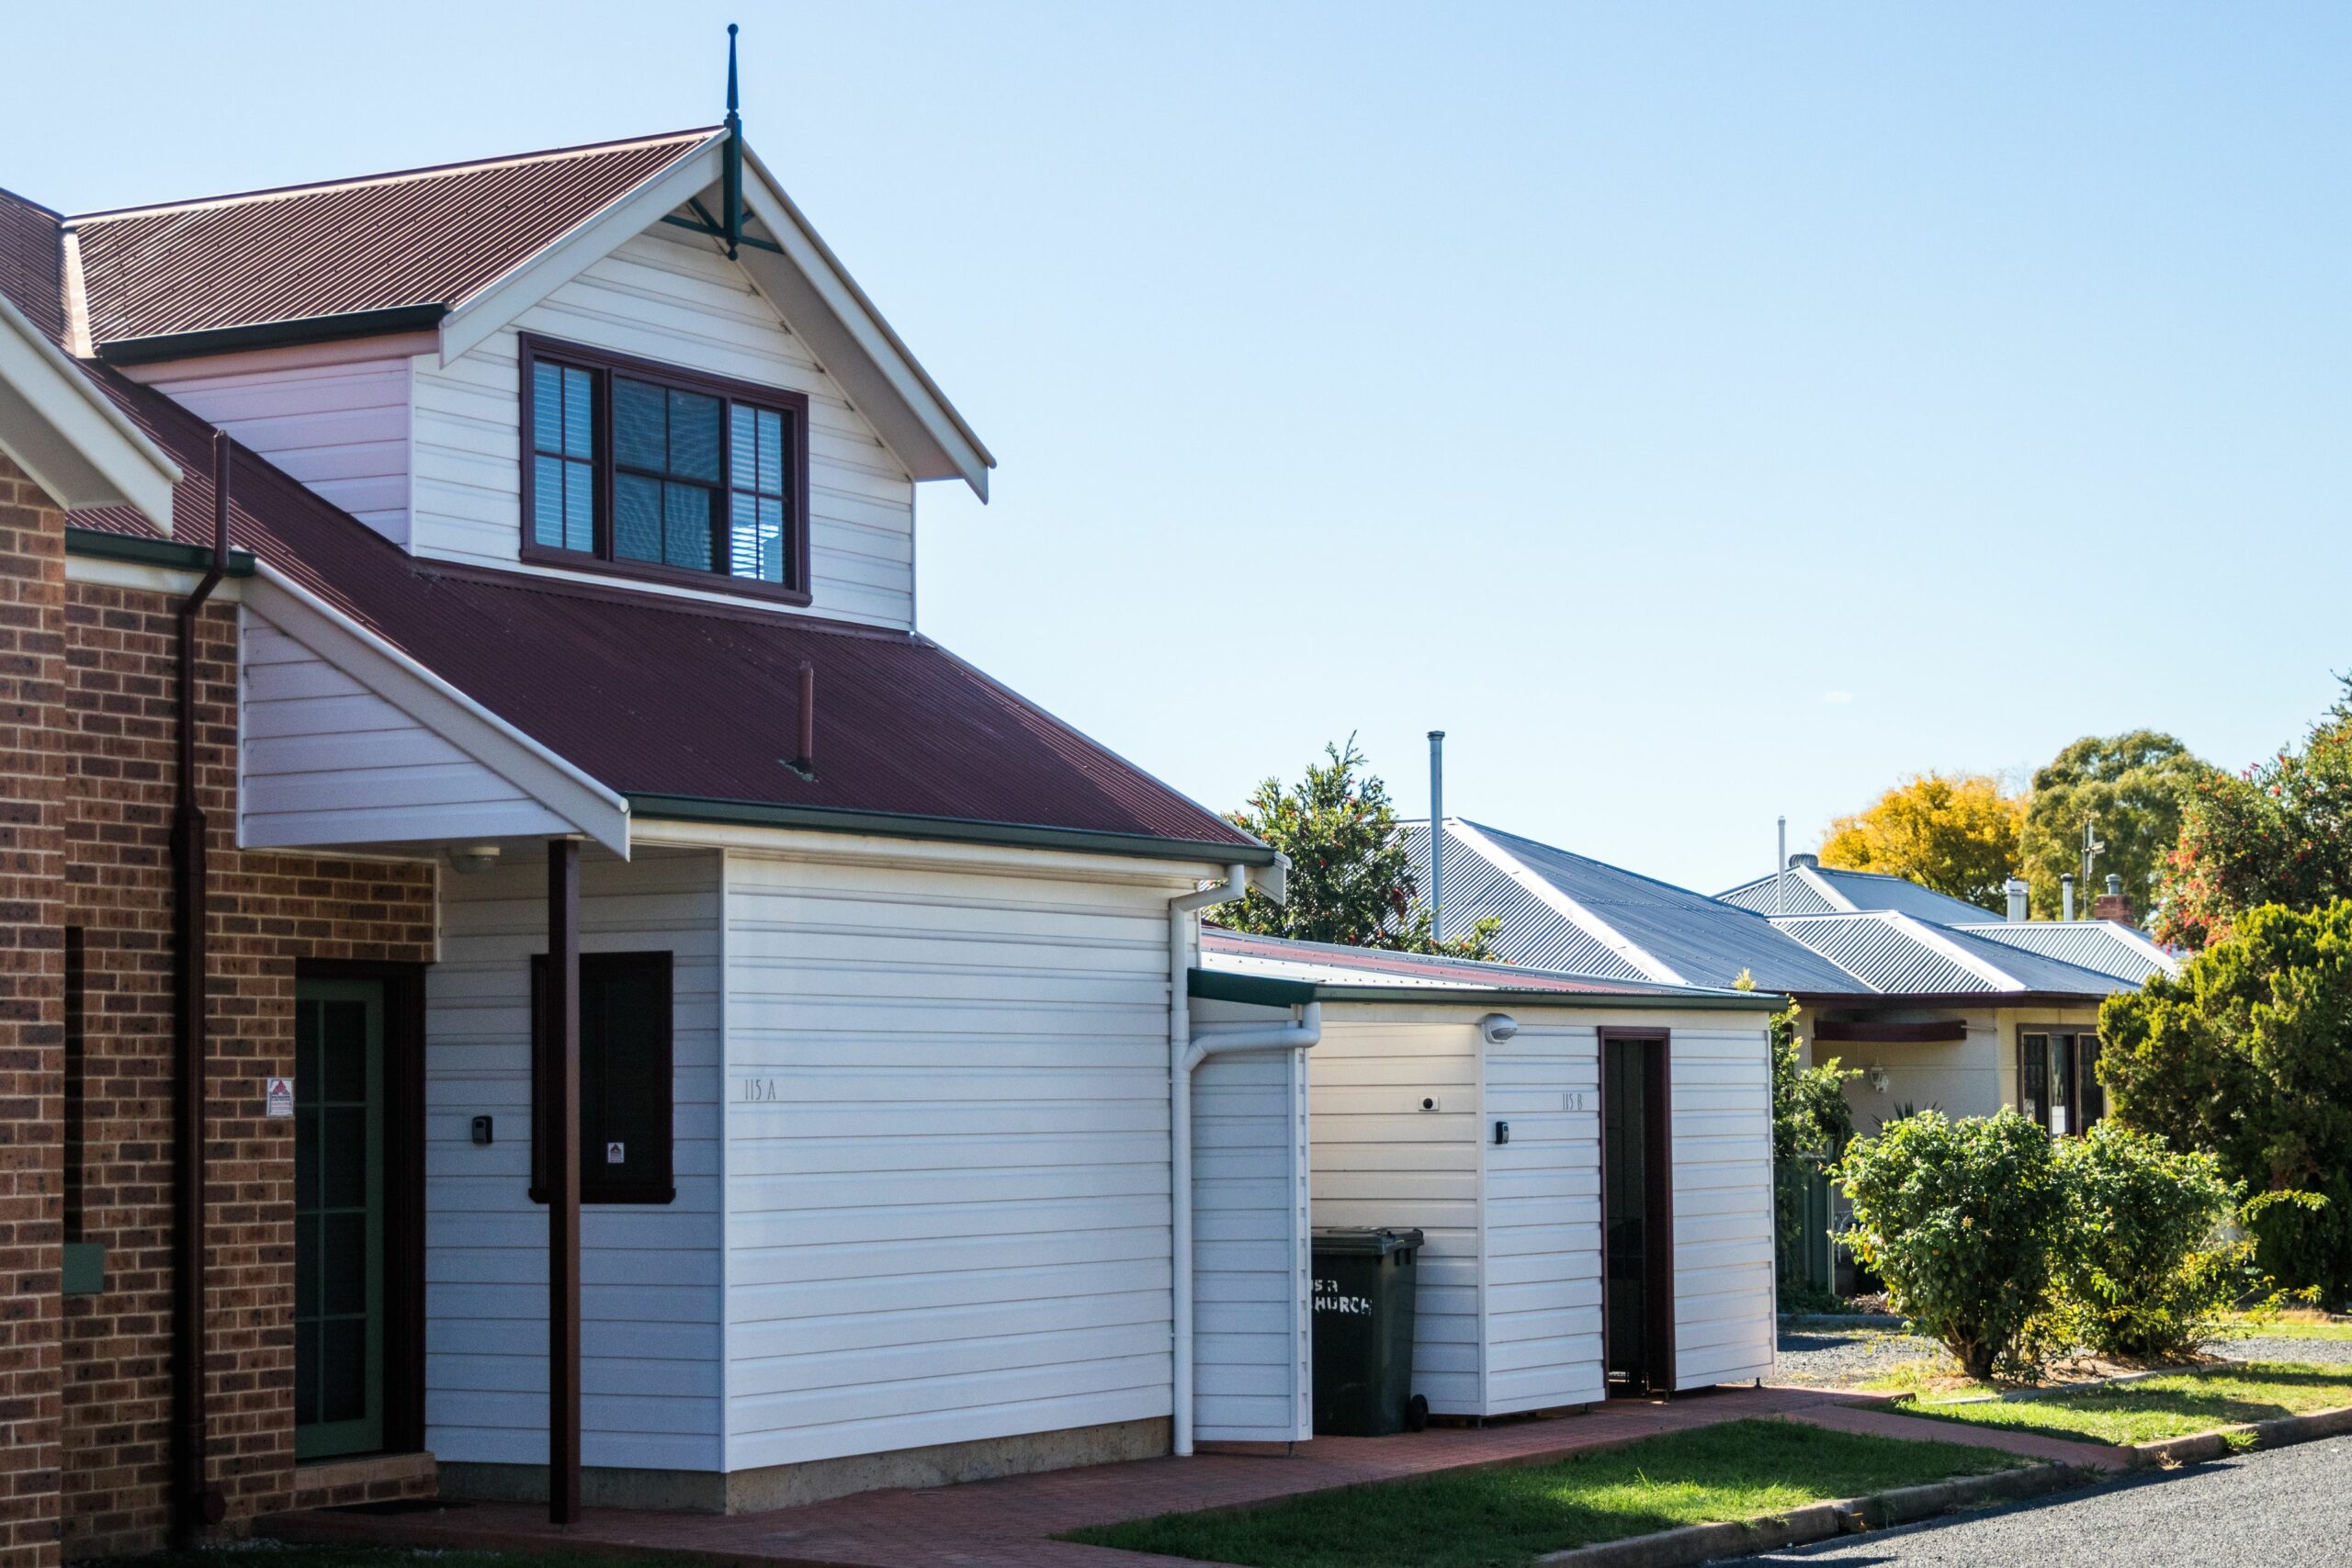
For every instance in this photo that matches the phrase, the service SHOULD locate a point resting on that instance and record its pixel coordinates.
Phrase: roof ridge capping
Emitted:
(694, 136)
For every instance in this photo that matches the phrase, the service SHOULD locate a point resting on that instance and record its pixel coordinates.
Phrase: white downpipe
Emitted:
(1303, 1030)
(1184, 1053)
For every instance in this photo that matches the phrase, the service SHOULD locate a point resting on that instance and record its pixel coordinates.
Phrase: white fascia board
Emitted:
(598, 813)
(58, 427)
(819, 300)
(1567, 909)
(551, 267)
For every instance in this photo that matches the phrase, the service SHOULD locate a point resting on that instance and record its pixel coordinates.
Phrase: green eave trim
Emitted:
(271, 334)
(1267, 990)
(145, 551)
(953, 829)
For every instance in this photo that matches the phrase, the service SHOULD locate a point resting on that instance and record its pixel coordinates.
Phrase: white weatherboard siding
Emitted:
(946, 1114)
(1251, 1372)
(677, 301)
(1542, 1211)
(649, 1274)
(1380, 1159)
(1509, 1314)
(341, 428)
(1722, 1107)
(326, 760)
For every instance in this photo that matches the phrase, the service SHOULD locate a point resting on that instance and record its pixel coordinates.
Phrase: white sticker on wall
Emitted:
(615, 1154)
(278, 1098)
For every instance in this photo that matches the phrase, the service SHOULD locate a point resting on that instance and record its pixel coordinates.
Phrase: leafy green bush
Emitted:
(2143, 1269)
(2248, 1054)
(1960, 1219)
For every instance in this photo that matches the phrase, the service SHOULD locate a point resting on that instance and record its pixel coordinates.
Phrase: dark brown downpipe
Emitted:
(195, 1504)
(806, 765)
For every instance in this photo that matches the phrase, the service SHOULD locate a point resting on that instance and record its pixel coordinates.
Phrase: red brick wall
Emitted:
(267, 911)
(32, 1013)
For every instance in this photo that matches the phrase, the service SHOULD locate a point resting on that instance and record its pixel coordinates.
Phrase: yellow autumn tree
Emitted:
(1954, 833)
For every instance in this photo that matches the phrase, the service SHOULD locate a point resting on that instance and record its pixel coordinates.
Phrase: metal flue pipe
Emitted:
(1437, 834)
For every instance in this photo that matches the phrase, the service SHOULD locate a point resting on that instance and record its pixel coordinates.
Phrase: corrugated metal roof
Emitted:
(1326, 962)
(1889, 953)
(659, 695)
(418, 237)
(1703, 940)
(1860, 889)
(2101, 946)
(1795, 895)
(29, 262)
(1533, 932)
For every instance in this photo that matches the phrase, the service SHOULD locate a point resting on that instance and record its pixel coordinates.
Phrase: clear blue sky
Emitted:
(1700, 412)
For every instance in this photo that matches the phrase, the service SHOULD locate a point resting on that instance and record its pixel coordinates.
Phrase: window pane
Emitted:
(686, 512)
(579, 506)
(579, 414)
(640, 425)
(637, 517)
(547, 502)
(744, 446)
(546, 407)
(694, 436)
(771, 539)
(772, 451)
(757, 547)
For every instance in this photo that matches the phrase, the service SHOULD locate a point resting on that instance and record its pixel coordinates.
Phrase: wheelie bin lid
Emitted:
(1365, 1241)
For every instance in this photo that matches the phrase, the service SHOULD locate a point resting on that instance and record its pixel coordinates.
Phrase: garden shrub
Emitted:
(2143, 1269)
(2248, 1054)
(1959, 1219)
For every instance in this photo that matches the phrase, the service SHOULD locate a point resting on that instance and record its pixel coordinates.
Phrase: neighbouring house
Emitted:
(529, 974)
(1935, 1001)
(1591, 1161)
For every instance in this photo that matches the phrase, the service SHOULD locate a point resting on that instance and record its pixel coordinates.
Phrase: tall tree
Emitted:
(2132, 789)
(1954, 833)
(2280, 833)
(2249, 1056)
(1351, 877)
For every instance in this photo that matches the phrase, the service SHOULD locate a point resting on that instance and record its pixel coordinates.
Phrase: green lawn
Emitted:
(1500, 1518)
(2294, 1329)
(2153, 1409)
(265, 1554)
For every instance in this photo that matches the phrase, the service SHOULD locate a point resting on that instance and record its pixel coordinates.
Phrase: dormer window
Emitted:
(647, 470)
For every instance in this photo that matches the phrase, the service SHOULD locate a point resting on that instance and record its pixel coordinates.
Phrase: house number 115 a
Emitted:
(761, 1091)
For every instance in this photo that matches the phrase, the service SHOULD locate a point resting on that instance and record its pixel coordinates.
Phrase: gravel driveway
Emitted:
(1838, 1354)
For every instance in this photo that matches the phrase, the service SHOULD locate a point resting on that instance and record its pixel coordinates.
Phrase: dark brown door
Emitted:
(1637, 1215)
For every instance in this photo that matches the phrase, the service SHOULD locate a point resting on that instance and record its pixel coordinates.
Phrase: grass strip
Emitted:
(2177, 1405)
(1503, 1517)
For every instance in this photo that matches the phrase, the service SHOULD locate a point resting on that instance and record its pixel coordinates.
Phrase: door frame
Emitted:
(1657, 1202)
(2071, 1038)
(403, 1218)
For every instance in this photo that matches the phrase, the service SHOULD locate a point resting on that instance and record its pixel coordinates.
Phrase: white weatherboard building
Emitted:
(1589, 1160)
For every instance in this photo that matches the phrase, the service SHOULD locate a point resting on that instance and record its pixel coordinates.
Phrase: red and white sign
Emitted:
(279, 1098)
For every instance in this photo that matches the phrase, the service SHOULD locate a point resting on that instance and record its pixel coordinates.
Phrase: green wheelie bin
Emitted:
(1364, 1278)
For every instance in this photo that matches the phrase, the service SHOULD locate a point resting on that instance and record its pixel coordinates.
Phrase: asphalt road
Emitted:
(2289, 1508)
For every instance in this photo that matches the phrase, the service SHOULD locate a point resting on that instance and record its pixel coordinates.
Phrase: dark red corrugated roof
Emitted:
(1375, 965)
(30, 264)
(658, 695)
(421, 237)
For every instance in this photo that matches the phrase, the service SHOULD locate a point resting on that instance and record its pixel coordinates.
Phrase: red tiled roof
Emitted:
(423, 237)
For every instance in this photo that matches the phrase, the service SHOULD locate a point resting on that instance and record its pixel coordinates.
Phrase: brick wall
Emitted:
(32, 1013)
(267, 911)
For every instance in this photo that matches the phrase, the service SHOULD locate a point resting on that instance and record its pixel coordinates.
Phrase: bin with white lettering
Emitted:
(1364, 1280)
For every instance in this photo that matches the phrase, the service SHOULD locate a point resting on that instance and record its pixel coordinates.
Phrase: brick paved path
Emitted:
(1008, 1523)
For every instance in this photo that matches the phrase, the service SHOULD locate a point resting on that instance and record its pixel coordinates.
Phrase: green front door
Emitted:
(338, 1217)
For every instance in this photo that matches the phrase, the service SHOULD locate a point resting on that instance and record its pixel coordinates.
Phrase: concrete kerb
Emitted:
(2281, 1432)
(1818, 1521)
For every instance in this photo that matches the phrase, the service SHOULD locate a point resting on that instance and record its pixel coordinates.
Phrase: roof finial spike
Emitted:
(732, 104)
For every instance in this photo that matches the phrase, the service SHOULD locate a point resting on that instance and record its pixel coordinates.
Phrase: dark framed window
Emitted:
(625, 1083)
(648, 470)
(2058, 1086)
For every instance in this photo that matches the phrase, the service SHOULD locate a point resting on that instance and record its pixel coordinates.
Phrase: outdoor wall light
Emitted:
(1497, 1027)
(473, 858)
(1878, 1077)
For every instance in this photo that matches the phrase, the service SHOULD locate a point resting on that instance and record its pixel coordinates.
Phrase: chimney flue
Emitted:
(2066, 896)
(1437, 831)
(2017, 889)
(2112, 905)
